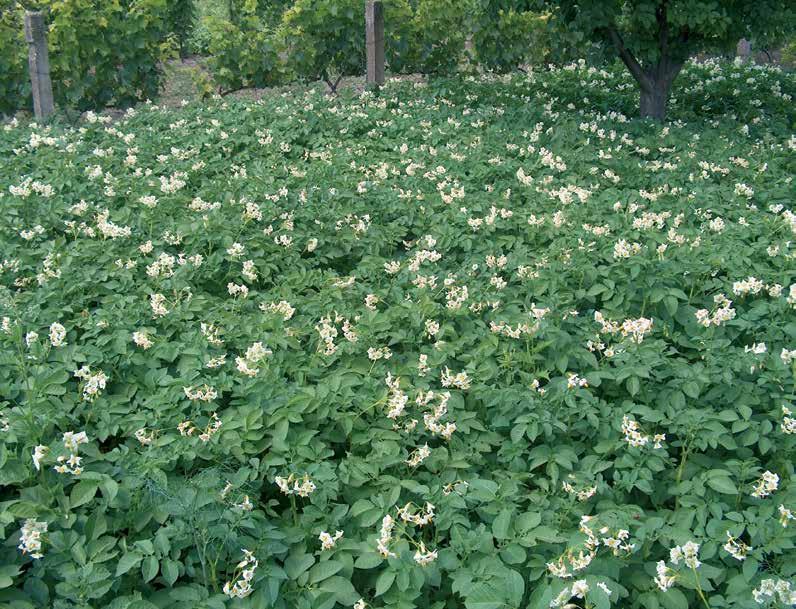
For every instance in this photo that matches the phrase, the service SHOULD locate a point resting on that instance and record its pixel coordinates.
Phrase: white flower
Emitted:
(459, 381)
(291, 485)
(785, 515)
(246, 505)
(38, 454)
(328, 541)
(57, 335)
(30, 540)
(663, 580)
(580, 588)
(240, 586)
(424, 557)
(766, 484)
(142, 340)
(385, 536)
(418, 456)
(687, 553)
(735, 548)
(93, 382)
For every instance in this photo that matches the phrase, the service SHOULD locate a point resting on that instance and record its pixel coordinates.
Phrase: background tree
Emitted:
(181, 20)
(654, 38)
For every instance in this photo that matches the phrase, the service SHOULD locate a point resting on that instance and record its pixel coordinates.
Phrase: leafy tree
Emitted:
(505, 36)
(102, 53)
(181, 20)
(654, 38)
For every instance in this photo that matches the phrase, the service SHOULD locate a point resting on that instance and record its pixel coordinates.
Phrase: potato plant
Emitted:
(482, 343)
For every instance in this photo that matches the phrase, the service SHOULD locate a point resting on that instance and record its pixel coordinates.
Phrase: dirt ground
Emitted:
(181, 76)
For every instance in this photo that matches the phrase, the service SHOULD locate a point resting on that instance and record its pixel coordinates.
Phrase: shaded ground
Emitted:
(186, 79)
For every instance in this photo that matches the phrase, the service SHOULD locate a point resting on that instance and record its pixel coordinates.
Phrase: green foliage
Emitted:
(101, 53)
(106, 53)
(692, 27)
(354, 224)
(243, 54)
(439, 32)
(508, 39)
(180, 22)
(324, 39)
(655, 37)
(15, 82)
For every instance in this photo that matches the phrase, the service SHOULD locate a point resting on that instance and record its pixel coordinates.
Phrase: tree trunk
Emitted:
(655, 79)
(653, 100)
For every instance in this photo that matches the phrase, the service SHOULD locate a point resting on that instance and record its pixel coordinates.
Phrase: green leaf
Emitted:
(127, 562)
(384, 582)
(296, 564)
(343, 590)
(324, 570)
(691, 389)
(722, 484)
(83, 492)
(483, 596)
(368, 560)
(515, 586)
(527, 521)
(501, 524)
(170, 570)
(633, 385)
(673, 599)
(149, 568)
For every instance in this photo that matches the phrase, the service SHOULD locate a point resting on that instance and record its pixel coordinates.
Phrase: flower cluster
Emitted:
(766, 485)
(736, 548)
(247, 365)
(292, 485)
(634, 436)
(771, 590)
(241, 584)
(214, 424)
(329, 541)
(31, 537)
(92, 383)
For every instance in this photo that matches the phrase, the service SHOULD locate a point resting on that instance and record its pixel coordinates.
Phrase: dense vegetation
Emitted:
(101, 53)
(471, 343)
(654, 38)
(111, 53)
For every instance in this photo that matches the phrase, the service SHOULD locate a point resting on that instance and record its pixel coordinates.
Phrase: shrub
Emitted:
(180, 22)
(507, 40)
(101, 53)
(324, 39)
(242, 54)
(439, 31)
(14, 82)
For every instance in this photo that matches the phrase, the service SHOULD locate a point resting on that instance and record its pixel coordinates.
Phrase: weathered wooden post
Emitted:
(39, 65)
(744, 49)
(374, 42)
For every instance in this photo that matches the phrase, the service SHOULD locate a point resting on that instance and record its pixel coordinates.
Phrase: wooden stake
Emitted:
(744, 49)
(39, 65)
(374, 42)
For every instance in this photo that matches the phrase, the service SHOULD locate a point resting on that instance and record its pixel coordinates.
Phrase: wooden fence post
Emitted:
(743, 49)
(374, 42)
(39, 65)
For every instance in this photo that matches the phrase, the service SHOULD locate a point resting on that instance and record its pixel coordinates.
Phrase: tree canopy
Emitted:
(654, 38)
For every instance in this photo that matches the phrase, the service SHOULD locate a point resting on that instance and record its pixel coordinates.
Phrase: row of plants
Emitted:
(110, 53)
(325, 40)
(481, 343)
(101, 53)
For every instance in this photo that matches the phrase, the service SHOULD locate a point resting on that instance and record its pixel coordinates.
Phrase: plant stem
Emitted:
(699, 589)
